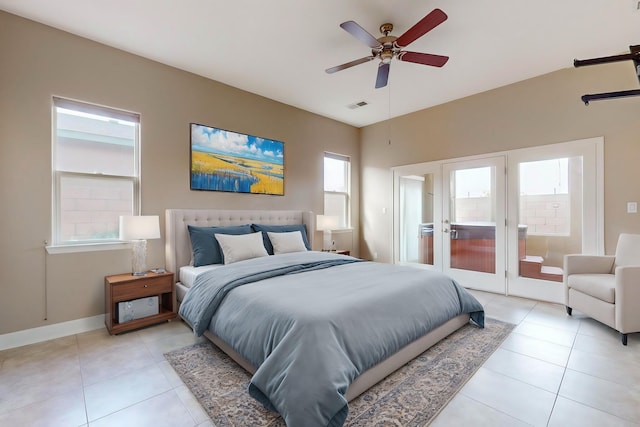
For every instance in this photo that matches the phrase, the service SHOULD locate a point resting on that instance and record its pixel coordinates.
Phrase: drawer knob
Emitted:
(146, 286)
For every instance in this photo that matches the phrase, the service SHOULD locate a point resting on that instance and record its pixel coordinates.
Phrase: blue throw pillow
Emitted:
(206, 249)
(280, 229)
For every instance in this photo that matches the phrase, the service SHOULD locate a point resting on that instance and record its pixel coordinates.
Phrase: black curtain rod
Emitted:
(633, 56)
(606, 59)
(608, 95)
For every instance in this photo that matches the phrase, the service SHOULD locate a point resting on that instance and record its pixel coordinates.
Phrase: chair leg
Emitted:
(569, 310)
(624, 339)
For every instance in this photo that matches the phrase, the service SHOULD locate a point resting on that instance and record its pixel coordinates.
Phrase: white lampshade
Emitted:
(139, 227)
(327, 222)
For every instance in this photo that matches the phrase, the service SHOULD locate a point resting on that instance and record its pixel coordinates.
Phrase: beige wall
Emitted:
(542, 110)
(39, 62)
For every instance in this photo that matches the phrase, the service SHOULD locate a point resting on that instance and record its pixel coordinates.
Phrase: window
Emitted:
(337, 184)
(95, 171)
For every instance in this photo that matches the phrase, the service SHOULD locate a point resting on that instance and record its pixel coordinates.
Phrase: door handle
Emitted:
(445, 230)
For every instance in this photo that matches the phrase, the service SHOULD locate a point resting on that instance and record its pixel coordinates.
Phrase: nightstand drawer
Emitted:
(140, 288)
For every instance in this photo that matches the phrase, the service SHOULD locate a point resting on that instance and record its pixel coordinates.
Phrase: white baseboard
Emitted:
(49, 332)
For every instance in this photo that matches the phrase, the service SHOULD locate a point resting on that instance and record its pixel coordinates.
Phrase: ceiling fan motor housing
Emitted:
(387, 49)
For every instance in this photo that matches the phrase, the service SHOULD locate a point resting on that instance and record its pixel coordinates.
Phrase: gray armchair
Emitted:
(607, 288)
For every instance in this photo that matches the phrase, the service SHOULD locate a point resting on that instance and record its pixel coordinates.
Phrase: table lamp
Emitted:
(326, 223)
(138, 229)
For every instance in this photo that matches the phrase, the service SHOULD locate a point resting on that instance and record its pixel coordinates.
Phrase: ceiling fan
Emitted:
(387, 47)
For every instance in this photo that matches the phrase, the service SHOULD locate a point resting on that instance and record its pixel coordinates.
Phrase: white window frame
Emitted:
(345, 194)
(57, 244)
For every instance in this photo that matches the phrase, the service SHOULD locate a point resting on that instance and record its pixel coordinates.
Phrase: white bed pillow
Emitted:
(240, 247)
(286, 242)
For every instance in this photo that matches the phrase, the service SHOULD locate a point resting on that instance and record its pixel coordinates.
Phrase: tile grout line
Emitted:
(84, 396)
(597, 378)
(492, 408)
(555, 400)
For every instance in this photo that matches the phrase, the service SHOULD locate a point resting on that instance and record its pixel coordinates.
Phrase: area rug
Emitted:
(411, 396)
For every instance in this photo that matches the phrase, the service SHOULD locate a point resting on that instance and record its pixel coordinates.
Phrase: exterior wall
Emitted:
(543, 214)
(38, 62)
(92, 211)
(472, 209)
(546, 214)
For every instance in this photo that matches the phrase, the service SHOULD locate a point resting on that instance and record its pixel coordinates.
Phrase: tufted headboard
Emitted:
(177, 242)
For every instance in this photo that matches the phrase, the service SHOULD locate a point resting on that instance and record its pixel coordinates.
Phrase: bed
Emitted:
(274, 358)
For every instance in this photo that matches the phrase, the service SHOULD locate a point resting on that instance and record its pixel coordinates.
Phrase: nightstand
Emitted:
(342, 252)
(126, 287)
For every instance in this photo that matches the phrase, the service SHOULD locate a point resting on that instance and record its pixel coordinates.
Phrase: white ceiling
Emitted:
(280, 48)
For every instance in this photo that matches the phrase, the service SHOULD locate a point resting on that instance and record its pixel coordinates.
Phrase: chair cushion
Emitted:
(600, 286)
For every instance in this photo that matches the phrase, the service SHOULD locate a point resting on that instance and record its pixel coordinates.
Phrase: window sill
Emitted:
(87, 247)
(341, 230)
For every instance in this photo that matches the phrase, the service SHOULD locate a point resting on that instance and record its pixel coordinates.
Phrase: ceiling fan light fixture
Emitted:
(386, 56)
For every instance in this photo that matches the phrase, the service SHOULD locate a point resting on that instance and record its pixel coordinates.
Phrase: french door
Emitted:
(450, 217)
(502, 223)
(556, 198)
(473, 223)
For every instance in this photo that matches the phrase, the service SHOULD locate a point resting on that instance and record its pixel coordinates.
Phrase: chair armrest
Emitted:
(588, 264)
(627, 297)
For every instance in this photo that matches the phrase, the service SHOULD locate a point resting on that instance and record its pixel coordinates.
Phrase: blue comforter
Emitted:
(311, 322)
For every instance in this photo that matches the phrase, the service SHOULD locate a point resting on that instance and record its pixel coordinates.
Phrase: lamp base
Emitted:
(139, 261)
(328, 244)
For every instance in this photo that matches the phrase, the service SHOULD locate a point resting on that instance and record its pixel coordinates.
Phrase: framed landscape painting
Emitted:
(223, 160)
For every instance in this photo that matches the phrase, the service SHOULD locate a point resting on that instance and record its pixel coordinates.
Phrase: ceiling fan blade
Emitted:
(383, 75)
(349, 64)
(423, 58)
(360, 33)
(426, 24)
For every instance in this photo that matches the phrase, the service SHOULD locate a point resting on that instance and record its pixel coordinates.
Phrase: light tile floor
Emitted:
(553, 370)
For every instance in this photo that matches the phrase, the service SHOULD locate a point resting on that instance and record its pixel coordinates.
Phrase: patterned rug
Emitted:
(411, 396)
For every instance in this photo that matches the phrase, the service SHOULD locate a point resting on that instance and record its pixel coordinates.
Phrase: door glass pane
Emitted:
(416, 218)
(472, 227)
(550, 215)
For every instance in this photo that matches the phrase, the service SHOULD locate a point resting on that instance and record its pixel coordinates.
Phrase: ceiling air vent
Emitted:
(358, 105)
